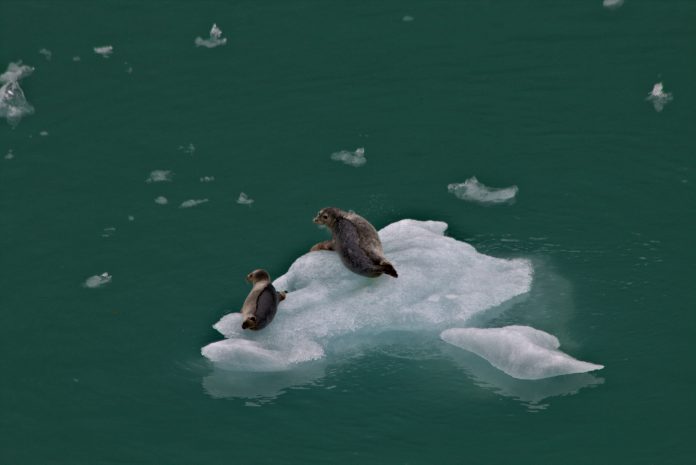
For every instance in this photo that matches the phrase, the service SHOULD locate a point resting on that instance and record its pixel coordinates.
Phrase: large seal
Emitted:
(261, 304)
(356, 242)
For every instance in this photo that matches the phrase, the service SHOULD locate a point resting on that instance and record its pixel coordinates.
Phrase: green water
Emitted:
(548, 96)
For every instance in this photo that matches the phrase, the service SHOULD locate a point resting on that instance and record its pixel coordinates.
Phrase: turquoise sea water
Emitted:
(547, 96)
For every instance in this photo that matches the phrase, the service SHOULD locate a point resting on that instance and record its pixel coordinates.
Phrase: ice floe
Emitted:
(658, 97)
(13, 103)
(612, 4)
(161, 200)
(207, 178)
(244, 199)
(356, 158)
(46, 53)
(189, 149)
(472, 190)
(9, 155)
(105, 50)
(160, 176)
(407, 19)
(192, 203)
(442, 283)
(97, 280)
(43, 133)
(76, 58)
(520, 351)
(214, 40)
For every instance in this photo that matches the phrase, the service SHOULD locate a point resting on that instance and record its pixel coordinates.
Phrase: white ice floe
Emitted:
(442, 283)
(104, 51)
(472, 190)
(160, 176)
(207, 178)
(658, 97)
(161, 200)
(520, 351)
(13, 103)
(243, 199)
(97, 280)
(214, 40)
(46, 53)
(192, 203)
(9, 155)
(356, 158)
(612, 4)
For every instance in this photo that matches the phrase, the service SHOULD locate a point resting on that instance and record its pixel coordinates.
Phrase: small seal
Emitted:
(261, 304)
(356, 242)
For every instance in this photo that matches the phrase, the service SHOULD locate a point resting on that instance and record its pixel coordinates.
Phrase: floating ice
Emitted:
(104, 51)
(215, 39)
(160, 176)
(47, 53)
(97, 280)
(15, 72)
(473, 191)
(161, 200)
(658, 97)
(356, 158)
(407, 19)
(43, 133)
(190, 149)
(612, 4)
(13, 103)
(243, 199)
(192, 203)
(108, 231)
(9, 155)
(207, 178)
(76, 58)
(442, 282)
(520, 351)
(131, 218)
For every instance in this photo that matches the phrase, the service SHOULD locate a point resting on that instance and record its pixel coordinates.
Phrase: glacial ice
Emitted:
(161, 200)
(658, 97)
(442, 283)
(472, 190)
(612, 4)
(244, 199)
(215, 39)
(97, 280)
(104, 51)
(46, 53)
(355, 159)
(13, 104)
(520, 351)
(160, 176)
(192, 203)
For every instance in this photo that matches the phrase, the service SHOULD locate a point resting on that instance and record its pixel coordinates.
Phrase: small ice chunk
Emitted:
(214, 40)
(160, 176)
(473, 191)
(15, 72)
(192, 203)
(129, 68)
(658, 97)
(520, 351)
(207, 178)
(407, 19)
(356, 158)
(161, 200)
(104, 51)
(131, 218)
(13, 103)
(612, 4)
(108, 231)
(76, 58)
(47, 53)
(43, 133)
(243, 199)
(97, 280)
(189, 149)
(9, 155)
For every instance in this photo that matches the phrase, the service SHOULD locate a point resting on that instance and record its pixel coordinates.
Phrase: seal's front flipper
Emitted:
(281, 295)
(326, 245)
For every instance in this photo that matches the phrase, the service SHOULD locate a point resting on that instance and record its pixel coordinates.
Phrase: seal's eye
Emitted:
(325, 216)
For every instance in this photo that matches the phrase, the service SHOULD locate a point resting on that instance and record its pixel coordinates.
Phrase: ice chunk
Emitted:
(520, 351)
(160, 176)
(214, 40)
(658, 97)
(189, 149)
(104, 51)
(131, 218)
(207, 178)
(13, 103)
(97, 280)
(612, 4)
(472, 190)
(329, 309)
(192, 203)
(15, 72)
(356, 158)
(243, 199)
(9, 155)
(46, 53)
(43, 133)
(161, 200)
(407, 19)
(76, 58)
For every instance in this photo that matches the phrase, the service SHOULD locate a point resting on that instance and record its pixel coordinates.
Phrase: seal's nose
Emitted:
(316, 219)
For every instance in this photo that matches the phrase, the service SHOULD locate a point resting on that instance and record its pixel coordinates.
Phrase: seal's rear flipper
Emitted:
(387, 268)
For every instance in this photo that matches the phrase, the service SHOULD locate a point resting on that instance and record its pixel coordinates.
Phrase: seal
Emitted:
(356, 242)
(261, 304)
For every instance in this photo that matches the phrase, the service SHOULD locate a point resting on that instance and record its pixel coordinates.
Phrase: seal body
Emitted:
(356, 241)
(261, 304)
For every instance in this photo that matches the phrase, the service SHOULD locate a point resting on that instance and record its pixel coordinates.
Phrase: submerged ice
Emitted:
(442, 283)
(13, 103)
(473, 191)
(520, 351)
